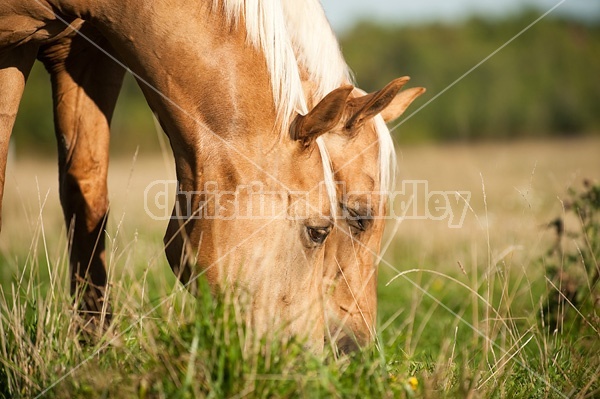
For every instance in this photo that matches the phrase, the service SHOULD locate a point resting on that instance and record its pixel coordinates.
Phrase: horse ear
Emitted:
(322, 118)
(400, 103)
(389, 101)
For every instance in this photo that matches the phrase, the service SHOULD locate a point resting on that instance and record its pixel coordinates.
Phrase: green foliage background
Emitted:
(544, 83)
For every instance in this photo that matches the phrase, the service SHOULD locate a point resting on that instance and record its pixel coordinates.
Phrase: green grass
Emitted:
(462, 312)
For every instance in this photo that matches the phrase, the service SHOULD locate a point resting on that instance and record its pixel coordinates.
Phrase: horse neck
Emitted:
(197, 72)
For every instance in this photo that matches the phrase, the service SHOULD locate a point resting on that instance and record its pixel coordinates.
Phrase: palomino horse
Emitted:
(231, 83)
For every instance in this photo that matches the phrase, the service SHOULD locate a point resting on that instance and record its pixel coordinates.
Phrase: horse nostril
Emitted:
(346, 345)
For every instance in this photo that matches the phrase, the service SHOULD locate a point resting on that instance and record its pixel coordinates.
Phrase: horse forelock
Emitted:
(387, 156)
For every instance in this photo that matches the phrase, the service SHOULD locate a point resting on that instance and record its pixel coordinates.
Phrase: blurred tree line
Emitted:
(546, 82)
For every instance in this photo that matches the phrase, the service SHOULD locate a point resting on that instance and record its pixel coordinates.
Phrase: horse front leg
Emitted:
(85, 85)
(14, 69)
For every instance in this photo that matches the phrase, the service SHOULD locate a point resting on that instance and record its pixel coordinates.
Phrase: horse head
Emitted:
(355, 141)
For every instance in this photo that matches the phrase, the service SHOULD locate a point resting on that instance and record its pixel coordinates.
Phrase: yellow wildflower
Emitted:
(413, 383)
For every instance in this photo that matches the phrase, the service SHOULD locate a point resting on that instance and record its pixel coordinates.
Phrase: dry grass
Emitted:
(516, 189)
(32, 185)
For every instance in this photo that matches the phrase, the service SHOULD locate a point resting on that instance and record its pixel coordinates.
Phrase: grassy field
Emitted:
(472, 311)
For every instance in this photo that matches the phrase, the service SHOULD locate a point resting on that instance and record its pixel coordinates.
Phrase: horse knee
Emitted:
(85, 199)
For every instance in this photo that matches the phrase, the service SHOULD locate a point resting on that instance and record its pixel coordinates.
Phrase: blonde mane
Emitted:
(316, 46)
(292, 33)
(266, 30)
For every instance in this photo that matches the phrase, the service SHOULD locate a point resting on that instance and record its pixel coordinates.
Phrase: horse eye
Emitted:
(358, 223)
(318, 234)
